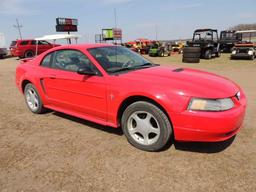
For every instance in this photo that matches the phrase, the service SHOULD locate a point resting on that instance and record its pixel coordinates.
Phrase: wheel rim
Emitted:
(29, 54)
(143, 127)
(32, 99)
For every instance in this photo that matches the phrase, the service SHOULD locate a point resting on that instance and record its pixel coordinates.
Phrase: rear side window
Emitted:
(71, 60)
(24, 42)
(46, 62)
(43, 43)
(33, 42)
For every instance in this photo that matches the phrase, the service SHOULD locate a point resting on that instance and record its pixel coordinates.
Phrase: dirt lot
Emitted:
(59, 153)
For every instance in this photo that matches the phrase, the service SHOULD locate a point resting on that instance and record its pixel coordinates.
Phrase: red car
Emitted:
(27, 48)
(113, 86)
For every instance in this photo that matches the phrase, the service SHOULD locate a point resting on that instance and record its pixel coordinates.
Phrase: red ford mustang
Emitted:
(114, 86)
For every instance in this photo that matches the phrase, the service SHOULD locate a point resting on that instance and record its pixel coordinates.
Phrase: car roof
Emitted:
(83, 46)
(24, 40)
(201, 30)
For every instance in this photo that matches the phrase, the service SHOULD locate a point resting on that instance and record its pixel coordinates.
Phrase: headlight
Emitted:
(250, 52)
(233, 52)
(197, 104)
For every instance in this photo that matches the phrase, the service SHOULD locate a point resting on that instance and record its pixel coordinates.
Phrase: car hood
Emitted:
(184, 81)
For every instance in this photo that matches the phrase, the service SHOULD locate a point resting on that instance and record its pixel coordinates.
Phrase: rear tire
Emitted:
(146, 126)
(29, 54)
(218, 54)
(33, 99)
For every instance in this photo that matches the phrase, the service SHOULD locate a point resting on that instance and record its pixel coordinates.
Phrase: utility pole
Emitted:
(115, 17)
(115, 22)
(18, 26)
(156, 30)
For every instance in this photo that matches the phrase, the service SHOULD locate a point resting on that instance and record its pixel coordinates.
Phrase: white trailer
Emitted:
(3, 50)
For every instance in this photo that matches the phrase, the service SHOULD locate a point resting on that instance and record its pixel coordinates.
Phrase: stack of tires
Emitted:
(191, 55)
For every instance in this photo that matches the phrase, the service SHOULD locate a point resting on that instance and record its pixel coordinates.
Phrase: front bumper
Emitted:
(210, 126)
(241, 56)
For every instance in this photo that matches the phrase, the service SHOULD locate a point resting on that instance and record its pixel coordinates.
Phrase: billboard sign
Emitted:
(107, 34)
(66, 24)
(117, 33)
(112, 34)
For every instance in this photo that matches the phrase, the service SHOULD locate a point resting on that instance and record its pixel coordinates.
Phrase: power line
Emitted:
(18, 26)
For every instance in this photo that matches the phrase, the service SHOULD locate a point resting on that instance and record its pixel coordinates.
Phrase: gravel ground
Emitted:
(58, 153)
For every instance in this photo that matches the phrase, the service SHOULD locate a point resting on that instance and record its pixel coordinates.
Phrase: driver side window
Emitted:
(71, 60)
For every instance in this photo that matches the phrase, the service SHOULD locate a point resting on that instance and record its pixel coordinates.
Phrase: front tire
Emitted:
(33, 100)
(208, 54)
(146, 126)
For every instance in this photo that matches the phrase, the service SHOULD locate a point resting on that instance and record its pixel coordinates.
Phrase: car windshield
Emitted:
(202, 35)
(116, 59)
(228, 35)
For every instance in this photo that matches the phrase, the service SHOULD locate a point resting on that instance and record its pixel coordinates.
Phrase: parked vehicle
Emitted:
(208, 42)
(159, 49)
(113, 86)
(27, 48)
(3, 53)
(228, 39)
(246, 49)
(177, 47)
(3, 50)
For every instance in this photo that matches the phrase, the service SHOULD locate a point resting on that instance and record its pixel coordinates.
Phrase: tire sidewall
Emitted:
(29, 51)
(208, 53)
(40, 108)
(164, 125)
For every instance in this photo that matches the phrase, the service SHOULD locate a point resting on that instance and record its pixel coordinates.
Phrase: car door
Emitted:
(43, 46)
(68, 90)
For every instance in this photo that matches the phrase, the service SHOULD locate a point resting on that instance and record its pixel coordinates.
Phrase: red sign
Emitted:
(117, 33)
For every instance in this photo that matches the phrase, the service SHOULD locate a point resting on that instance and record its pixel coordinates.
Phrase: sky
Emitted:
(172, 19)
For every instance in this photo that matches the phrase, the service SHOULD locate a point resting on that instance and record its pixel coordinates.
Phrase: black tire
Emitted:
(29, 54)
(218, 54)
(191, 50)
(191, 55)
(40, 108)
(208, 54)
(165, 127)
(191, 60)
(252, 57)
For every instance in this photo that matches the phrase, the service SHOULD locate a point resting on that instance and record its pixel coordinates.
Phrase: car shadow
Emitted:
(204, 147)
(116, 131)
(199, 147)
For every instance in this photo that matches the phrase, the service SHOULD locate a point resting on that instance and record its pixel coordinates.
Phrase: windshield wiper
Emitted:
(144, 65)
(121, 69)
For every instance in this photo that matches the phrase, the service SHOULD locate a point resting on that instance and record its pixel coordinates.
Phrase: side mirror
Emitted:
(86, 71)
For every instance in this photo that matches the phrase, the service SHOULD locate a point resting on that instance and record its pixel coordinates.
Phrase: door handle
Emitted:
(52, 76)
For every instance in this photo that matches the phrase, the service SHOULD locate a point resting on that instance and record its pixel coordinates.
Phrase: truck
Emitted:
(228, 39)
(3, 50)
(246, 49)
(208, 42)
